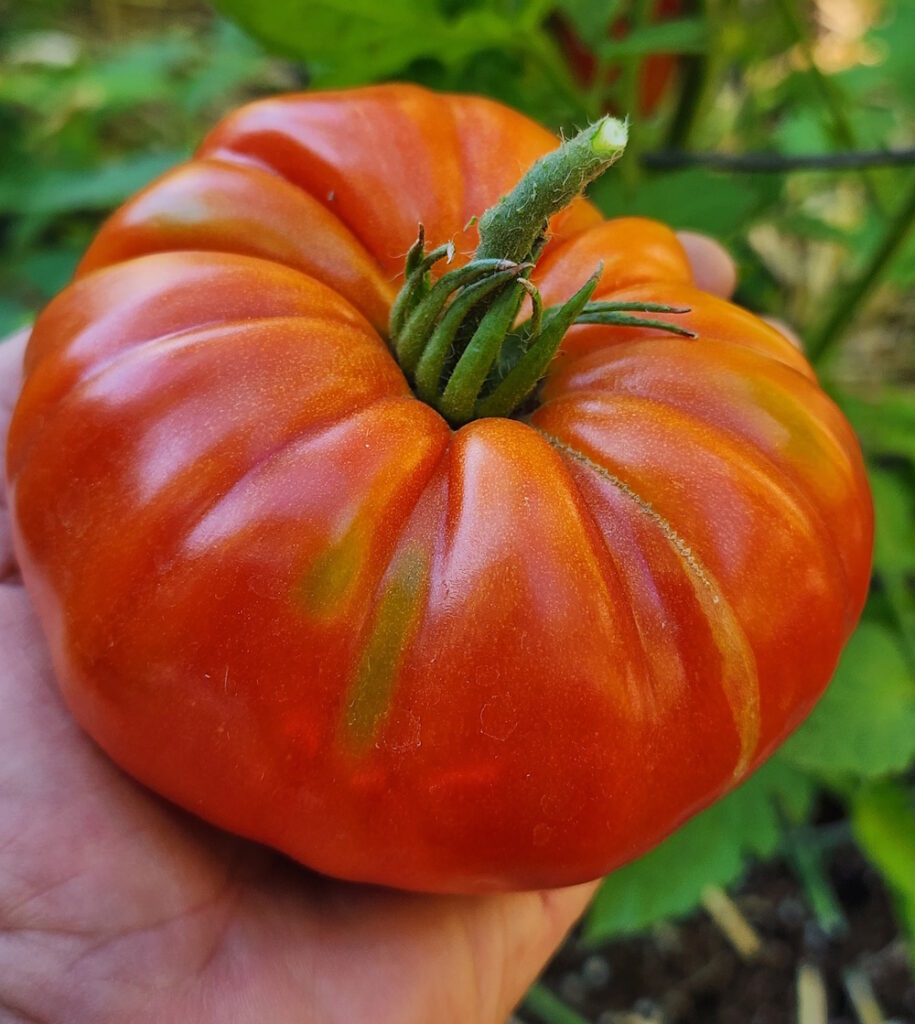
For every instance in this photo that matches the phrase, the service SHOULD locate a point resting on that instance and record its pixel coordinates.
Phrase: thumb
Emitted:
(454, 960)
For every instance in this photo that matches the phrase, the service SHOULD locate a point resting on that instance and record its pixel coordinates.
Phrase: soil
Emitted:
(687, 972)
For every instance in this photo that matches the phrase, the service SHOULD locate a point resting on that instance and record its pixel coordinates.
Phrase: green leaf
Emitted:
(883, 822)
(901, 270)
(232, 59)
(13, 315)
(701, 200)
(894, 547)
(354, 41)
(892, 42)
(801, 130)
(46, 271)
(712, 849)
(591, 20)
(894, 542)
(142, 72)
(884, 421)
(685, 35)
(865, 723)
(55, 191)
(541, 1004)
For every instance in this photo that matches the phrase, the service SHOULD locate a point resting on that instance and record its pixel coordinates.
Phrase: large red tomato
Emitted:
(283, 592)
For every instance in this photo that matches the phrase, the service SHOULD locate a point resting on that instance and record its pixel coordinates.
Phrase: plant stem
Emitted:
(458, 326)
(694, 74)
(632, 67)
(861, 993)
(510, 229)
(832, 96)
(806, 859)
(777, 163)
(811, 996)
(822, 341)
(542, 48)
(700, 74)
(546, 1007)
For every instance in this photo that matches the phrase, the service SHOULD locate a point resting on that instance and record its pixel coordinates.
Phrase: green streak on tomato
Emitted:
(329, 581)
(395, 618)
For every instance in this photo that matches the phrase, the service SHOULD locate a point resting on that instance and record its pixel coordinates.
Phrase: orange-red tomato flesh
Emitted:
(284, 593)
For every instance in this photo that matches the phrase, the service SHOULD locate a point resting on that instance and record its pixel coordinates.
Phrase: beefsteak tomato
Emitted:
(284, 592)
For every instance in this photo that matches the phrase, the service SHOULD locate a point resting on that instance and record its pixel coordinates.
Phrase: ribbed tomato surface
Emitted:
(282, 592)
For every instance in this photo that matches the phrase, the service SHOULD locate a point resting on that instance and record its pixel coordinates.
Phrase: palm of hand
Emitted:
(116, 907)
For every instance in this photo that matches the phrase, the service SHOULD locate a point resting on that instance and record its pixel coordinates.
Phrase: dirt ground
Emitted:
(688, 972)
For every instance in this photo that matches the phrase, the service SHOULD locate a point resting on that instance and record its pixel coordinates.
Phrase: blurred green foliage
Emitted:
(88, 117)
(97, 98)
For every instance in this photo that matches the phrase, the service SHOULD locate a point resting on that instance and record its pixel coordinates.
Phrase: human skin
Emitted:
(117, 907)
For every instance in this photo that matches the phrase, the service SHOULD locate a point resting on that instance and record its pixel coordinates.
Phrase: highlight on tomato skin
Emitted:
(292, 597)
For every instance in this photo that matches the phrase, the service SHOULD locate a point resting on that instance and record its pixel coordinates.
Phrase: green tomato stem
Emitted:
(512, 228)
(456, 328)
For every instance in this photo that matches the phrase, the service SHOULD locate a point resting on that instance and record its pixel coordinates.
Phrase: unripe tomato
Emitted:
(284, 593)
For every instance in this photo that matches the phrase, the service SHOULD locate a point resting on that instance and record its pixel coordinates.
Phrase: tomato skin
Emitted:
(282, 592)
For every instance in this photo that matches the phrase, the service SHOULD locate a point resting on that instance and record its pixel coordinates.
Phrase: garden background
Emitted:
(784, 128)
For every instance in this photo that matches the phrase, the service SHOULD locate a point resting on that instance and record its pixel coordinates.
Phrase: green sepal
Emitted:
(432, 360)
(416, 285)
(411, 340)
(633, 307)
(460, 395)
(415, 252)
(615, 319)
(523, 377)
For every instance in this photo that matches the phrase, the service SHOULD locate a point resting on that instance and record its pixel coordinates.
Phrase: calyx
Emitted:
(457, 339)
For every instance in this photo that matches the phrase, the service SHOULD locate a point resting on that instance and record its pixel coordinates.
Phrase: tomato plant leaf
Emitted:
(591, 20)
(884, 422)
(685, 35)
(13, 315)
(56, 191)
(883, 822)
(698, 199)
(345, 42)
(865, 723)
(894, 547)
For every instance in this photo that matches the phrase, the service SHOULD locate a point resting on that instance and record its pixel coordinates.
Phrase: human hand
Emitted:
(116, 906)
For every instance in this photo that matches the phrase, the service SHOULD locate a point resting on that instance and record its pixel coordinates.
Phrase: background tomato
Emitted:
(281, 591)
(655, 72)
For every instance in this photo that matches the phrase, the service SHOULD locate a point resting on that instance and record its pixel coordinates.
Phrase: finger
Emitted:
(789, 332)
(713, 269)
(533, 942)
(12, 350)
(475, 955)
(11, 353)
